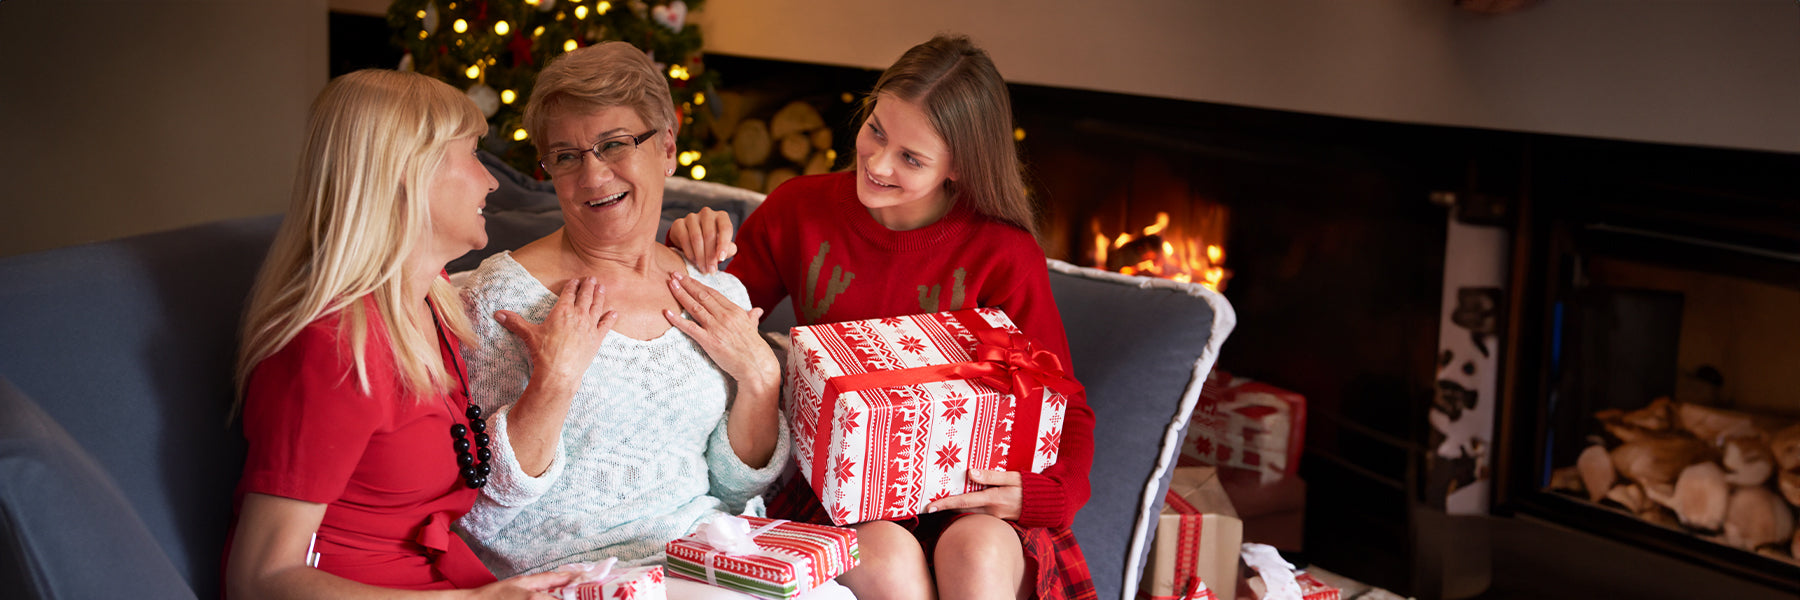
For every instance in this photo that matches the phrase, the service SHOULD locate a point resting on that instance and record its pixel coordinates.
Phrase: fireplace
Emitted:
(1655, 347)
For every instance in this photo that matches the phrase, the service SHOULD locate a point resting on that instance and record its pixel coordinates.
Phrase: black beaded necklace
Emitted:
(474, 466)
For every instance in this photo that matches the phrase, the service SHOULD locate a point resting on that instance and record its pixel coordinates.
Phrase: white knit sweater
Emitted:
(643, 458)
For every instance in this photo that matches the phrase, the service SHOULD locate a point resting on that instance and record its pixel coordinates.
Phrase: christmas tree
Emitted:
(494, 49)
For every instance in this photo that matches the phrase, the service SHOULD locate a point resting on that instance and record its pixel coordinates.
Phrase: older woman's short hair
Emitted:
(598, 77)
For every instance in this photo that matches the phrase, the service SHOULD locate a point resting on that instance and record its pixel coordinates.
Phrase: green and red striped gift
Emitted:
(774, 559)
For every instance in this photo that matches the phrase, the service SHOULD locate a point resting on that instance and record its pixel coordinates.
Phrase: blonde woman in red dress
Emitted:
(363, 448)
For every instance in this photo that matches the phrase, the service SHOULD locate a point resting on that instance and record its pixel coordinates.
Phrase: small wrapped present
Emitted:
(1310, 588)
(1244, 424)
(766, 558)
(1198, 537)
(606, 581)
(1276, 579)
(889, 415)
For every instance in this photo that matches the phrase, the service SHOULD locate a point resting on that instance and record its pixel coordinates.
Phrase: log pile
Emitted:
(1727, 476)
(772, 146)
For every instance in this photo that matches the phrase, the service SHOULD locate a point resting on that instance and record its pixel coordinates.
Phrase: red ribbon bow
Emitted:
(1010, 362)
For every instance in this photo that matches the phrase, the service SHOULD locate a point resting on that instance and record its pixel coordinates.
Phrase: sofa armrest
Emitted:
(65, 529)
(1142, 347)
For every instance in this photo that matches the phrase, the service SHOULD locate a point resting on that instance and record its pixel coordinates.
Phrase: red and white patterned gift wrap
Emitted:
(889, 415)
(1310, 587)
(635, 583)
(1244, 424)
(791, 558)
(1313, 589)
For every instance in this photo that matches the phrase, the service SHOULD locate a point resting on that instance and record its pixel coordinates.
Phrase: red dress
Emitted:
(382, 462)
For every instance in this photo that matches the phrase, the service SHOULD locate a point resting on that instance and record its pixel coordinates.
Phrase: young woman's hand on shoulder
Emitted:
(704, 237)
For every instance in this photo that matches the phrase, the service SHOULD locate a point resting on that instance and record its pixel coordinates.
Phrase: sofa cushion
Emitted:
(1142, 347)
(65, 530)
(129, 345)
(517, 191)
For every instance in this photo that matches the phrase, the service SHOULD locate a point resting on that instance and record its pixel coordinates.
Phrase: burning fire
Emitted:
(1160, 252)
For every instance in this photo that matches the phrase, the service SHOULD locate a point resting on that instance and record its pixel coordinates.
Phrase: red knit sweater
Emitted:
(813, 240)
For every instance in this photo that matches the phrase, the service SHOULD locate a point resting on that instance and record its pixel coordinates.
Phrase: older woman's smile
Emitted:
(605, 201)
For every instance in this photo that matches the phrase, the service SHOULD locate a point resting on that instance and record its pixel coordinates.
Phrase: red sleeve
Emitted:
(1050, 498)
(756, 263)
(307, 419)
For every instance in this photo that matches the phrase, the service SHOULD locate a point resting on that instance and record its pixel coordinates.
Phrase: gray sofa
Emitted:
(117, 463)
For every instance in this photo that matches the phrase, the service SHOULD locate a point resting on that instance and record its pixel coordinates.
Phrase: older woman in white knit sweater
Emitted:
(675, 422)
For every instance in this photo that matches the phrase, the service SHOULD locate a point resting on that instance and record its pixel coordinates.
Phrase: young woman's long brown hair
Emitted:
(959, 89)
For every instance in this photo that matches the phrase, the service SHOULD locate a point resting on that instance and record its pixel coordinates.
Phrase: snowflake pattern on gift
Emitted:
(1049, 444)
(912, 344)
(949, 456)
(812, 359)
(626, 592)
(955, 409)
(844, 471)
(849, 423)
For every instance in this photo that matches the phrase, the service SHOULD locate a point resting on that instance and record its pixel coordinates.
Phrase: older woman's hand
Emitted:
(561, 348)
(728, 335)
(726, 332)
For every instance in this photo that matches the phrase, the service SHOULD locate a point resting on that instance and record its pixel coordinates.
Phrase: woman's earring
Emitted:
(670, 172)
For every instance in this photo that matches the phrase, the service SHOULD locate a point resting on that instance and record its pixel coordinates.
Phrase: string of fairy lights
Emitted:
(493, 50)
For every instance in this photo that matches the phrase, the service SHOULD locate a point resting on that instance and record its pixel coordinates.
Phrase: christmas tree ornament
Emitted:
(431, 18)
(406, 63)
(485, 99)
(672, 16)
(543, 5)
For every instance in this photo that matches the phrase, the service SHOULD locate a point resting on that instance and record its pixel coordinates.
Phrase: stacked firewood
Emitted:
(1724, 475)
(772, 148)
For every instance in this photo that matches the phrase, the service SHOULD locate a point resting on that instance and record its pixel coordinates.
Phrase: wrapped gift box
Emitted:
(1310, 587)
(890, 414)
(607, 583)
(1244, 424)
(1197, 535)
(777, 559)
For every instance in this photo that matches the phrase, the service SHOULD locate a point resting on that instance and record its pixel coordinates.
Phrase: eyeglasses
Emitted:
(608, 151)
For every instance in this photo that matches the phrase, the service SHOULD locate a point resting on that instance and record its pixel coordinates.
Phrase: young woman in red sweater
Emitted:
(932, 218)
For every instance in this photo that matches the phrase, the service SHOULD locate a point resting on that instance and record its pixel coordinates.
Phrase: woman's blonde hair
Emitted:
(375, 140)
(961, 92)
(597, 77)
